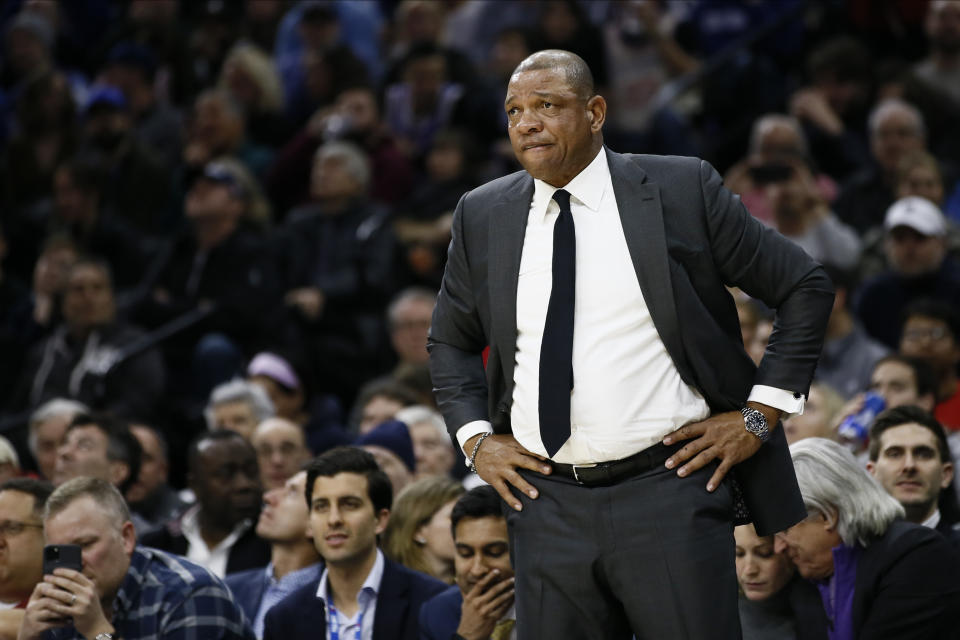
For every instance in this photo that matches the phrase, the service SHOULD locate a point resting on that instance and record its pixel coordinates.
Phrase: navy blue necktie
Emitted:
(556, 350)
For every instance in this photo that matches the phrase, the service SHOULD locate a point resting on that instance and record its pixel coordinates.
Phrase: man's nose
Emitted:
(529, 122)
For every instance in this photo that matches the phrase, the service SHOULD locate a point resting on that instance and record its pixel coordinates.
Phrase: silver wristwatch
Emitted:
(756, 423)
(104, 636)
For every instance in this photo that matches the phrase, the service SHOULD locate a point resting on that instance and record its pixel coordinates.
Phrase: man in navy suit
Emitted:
(480, 605)
(360, 594)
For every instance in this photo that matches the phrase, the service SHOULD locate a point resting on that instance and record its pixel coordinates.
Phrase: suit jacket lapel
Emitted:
(392, 604)
(641, 215)
(508, 223)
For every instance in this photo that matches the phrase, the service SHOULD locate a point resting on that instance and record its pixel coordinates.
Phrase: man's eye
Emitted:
(547, 105)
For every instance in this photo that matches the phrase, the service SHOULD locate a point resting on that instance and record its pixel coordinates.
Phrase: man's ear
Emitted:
(383, 516)
(872, 468)
(947, 475)
(119, 472)
(831, 520)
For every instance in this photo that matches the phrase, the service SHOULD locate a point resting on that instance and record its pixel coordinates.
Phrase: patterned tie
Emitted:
(503, 629)
(556, 350)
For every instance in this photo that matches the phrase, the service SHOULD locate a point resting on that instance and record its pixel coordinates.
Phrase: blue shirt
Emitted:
(277, 590)
(167, 597)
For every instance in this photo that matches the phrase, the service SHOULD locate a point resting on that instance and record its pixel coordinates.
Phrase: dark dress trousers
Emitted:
(402, 593)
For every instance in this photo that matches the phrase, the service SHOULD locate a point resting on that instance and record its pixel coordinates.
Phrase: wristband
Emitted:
(476, 447)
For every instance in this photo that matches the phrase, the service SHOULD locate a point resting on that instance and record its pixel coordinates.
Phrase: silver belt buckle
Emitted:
(581, 466)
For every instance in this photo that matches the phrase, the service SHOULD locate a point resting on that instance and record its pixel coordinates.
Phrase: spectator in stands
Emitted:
(896, 129)
(220, 269)
(287, 379)
(218, 532)
(21, 547)
(422, 221)
(98, 446)
(125, 590)
(238, 406)
(47, 426)
(250, 77)
(424, 100)
(941, 69)
(919, 268)
(848, 352)
(92, 357)
(904, 380)
(910, 458)
(354, 117)
(378, 401)
(294, 561)
(151, 498)
(46, 137)
(132, 68)
(775, 140)
(49, 280)
(418, 534)
(349, 499)
(879, 577)
(480, 605)
(81, 212)
(138, 190)
(408, 318)
(833, 107)
(391, 446)
(281, 450)
(801, 214)
(774, 602)
(820, 415)
(336, 265)
(432, 446)
(931, 332)
(217, 129)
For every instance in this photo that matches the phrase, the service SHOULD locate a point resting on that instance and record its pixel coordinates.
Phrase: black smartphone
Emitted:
(67, 556)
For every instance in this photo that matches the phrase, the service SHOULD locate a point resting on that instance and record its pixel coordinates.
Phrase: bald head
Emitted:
(575, 70)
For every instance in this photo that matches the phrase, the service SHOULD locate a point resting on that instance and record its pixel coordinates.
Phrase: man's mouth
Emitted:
(536, 145)
(335, 539)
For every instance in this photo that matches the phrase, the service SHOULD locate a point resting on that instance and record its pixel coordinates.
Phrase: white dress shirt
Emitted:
(366, 603)
(627, 393)
(214, 559)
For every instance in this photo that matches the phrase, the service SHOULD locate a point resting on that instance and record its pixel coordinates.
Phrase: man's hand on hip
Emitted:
(497, 462)
(721, 437)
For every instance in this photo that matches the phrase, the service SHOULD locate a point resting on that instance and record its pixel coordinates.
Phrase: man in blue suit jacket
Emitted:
(480, 606)
(360, 594)
(294, 561)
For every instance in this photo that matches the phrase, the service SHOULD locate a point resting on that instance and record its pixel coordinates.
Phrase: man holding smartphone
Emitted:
(123, 591)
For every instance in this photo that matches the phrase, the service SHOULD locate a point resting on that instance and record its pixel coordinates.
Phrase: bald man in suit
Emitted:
(618, 415)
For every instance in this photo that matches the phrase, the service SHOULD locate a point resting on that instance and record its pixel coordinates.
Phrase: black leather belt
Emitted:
(604, 474)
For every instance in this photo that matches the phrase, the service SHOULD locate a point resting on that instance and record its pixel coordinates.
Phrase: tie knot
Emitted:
(562, 197)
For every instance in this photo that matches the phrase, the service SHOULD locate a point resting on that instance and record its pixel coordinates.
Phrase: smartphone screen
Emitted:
(61, 555)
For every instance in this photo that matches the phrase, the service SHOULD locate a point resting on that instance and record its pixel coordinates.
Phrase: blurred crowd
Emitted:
(231, 217)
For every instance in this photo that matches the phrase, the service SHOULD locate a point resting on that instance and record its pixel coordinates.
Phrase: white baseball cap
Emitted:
(918, 213)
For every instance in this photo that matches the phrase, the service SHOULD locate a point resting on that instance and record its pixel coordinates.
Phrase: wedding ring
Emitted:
(73, 600)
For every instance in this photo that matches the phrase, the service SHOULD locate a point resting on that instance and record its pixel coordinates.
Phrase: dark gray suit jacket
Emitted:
(688, 237)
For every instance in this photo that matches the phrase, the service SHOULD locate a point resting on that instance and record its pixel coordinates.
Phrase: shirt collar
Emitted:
(587, 187)
(933, 520)
(190, 527)
(371, 585)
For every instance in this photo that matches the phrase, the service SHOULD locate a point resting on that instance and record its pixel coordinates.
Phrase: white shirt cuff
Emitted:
(469, 430)
(787, 401)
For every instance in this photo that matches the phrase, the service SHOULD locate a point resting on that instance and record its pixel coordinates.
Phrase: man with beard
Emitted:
(218, 532)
